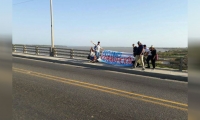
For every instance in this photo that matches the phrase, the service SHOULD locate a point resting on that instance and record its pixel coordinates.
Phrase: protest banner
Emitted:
(116, 58)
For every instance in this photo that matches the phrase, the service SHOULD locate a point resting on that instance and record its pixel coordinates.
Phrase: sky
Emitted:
(5, 18)
(115, 23)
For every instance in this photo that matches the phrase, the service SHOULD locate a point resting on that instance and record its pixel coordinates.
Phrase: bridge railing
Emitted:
(46, 51)
(180, 63)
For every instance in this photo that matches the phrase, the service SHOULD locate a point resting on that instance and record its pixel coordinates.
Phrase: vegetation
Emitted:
(173, 58)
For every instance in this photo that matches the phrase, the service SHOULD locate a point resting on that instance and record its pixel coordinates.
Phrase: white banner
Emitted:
(117, 58)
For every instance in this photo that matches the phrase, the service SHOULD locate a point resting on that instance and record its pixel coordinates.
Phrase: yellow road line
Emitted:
(106, 91)
(113, 91)
(130, 93)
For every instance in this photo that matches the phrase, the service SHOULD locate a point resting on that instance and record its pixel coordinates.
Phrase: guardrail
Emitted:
(169, 62)
(46, 51)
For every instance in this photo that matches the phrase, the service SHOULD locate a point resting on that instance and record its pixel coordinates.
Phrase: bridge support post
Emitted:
(51, 51)
(71, 53)
(54, 52)
(36, 50)
(181, 64)
(14, 48)
(24, 49)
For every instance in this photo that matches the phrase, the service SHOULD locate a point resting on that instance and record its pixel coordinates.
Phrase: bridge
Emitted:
(67, 86)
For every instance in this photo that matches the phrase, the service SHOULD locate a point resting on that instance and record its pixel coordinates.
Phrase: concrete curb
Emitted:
(157, 75)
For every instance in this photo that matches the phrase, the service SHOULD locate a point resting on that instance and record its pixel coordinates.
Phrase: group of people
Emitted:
(142, 53)
(95, 52)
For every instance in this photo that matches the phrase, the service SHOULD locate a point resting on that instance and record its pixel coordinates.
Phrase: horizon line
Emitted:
(91, 45)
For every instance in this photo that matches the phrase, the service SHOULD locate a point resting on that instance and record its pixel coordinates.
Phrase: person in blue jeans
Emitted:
(98, 49)
(92, 55)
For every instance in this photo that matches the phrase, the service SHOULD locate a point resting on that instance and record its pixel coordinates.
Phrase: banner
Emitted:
(116, 58)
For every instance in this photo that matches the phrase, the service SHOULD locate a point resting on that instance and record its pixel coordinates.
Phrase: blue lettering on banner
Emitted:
(116, 58)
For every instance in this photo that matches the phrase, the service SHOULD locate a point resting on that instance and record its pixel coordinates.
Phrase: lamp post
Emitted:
(52, 32)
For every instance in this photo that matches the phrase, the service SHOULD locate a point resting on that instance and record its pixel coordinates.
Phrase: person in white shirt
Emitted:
(149, 56)
(145, 51)
(98, 49)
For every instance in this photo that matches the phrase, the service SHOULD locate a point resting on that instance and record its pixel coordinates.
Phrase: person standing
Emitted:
(134, 53)
(98, 49)
(153, 58)
(145, 54)
(149, 56)
(139, 55)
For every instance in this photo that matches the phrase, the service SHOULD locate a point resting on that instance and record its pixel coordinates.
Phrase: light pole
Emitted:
(52, 32)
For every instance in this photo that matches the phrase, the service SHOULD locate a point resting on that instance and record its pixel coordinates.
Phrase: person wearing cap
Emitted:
(139, 55)
(98, 49)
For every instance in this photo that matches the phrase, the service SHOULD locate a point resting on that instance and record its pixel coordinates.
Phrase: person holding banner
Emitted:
(98, 49)
(92, 55)
(140, 55)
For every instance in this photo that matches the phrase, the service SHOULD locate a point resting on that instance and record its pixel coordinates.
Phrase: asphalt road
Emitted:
(51, 91)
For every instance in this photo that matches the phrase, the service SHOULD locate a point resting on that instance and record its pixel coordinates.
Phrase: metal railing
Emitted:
(167, 62)
(46, 51)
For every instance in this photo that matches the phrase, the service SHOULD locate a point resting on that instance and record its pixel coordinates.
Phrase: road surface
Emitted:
(53, 91)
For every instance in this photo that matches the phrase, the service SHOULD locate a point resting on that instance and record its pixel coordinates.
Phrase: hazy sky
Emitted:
(162, 23)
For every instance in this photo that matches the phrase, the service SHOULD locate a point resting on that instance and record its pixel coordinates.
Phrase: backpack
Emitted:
(95, 47)
(88, 56)
(156, 57)
(135, 51)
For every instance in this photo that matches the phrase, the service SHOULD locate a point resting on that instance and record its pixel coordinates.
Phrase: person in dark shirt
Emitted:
(149, 56)
(134, 50)
(145, 54)
(153, 58)
(139, 55)
(134, 54)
